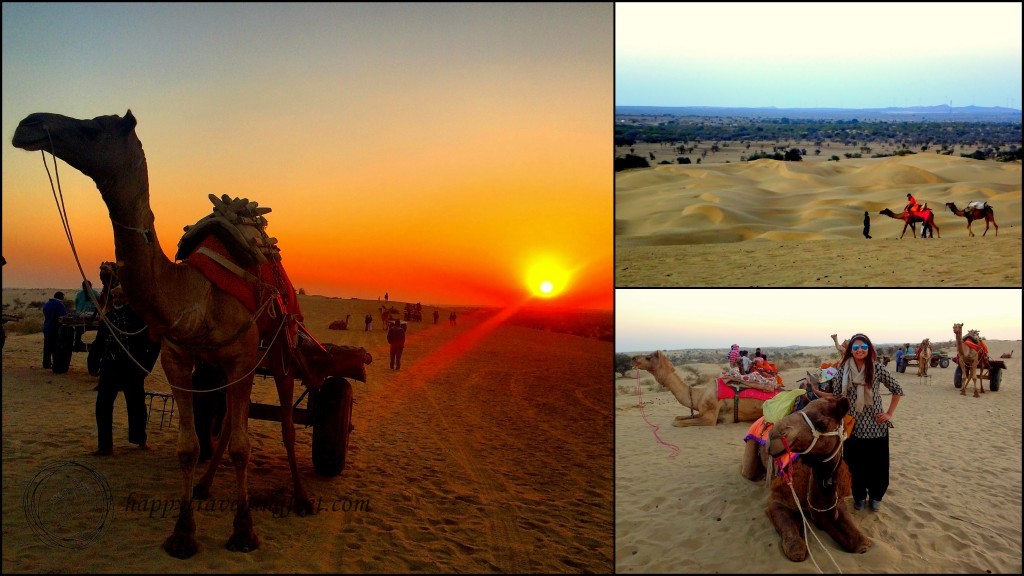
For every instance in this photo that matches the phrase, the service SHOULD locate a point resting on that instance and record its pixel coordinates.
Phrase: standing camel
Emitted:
(924, 358)
(195, 318)
(969, 360)
(973, 212)
(926, 216)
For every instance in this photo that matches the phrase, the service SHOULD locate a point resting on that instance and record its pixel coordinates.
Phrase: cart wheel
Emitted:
(944, 362)
(994, 375)
(332, 425)
(64, 348)
(934, 362)
(958, 377)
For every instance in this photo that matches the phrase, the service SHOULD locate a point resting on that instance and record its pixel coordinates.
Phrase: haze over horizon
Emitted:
(694, 318)
(818, 55)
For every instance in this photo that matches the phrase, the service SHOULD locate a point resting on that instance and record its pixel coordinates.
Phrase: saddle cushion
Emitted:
(253, 292)
(977, 205)
(725, 392)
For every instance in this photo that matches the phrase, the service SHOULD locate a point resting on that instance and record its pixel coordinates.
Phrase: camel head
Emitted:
(888, 213)
(651, 361)
(826, 414)
(958, 329)
(104, 148)
(951, 206)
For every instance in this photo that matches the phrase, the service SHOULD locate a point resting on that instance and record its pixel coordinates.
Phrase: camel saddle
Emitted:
(977, 205)
(231, 248)
(736, 389)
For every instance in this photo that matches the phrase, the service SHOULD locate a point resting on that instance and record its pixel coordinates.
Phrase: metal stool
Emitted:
(163, 408)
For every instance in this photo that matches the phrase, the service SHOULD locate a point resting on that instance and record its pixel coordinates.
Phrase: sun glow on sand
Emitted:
(546, 278)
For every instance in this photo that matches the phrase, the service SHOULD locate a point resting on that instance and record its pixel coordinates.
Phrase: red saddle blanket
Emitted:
(263, 282)
(726, 392)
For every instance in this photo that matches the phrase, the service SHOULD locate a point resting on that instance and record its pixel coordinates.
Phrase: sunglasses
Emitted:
(856, 347)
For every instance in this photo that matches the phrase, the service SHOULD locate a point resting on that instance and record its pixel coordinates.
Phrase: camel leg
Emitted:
(845, 532)
(938, 232)
(751, 467)
(707, 417)
(285, 390)
(788, 524)
(202, 489)
(177, 366)
(244, 537)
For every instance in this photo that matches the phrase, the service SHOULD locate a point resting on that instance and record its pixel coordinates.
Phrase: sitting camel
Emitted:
(975, 212)
(703, 399)
(969, 356)
(1007, 354)
(814, 481)
(340, 324)
(925, 216)
(924, 357)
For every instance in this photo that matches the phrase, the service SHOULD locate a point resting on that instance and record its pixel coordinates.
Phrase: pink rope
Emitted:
(675, 449)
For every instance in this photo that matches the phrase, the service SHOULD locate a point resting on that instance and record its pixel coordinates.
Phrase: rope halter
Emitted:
(839, 431)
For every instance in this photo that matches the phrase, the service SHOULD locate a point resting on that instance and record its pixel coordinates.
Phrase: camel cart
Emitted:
(66, 340)
(328, 406)
(993, 374)
(938, 360)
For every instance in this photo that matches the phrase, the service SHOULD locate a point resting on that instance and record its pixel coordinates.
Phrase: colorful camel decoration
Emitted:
(925, 216)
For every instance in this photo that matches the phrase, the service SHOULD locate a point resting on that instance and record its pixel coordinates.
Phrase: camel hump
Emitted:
(977, 205)
(240, 225)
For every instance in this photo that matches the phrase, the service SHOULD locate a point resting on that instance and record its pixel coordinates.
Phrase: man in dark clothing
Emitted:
(52, 310)
(369, 322)
(396, 337)
(119, 371)
(436, 316)
(867, 225)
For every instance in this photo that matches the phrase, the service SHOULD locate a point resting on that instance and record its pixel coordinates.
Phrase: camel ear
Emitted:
(842, 407)
(129, 122)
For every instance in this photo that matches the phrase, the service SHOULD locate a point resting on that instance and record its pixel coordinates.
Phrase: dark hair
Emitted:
(58, 295)
(869, 368)
(743, 352)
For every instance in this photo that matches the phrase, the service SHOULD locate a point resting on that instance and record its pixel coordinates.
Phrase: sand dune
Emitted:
(485, 453)
(795, 219)
(953, 505)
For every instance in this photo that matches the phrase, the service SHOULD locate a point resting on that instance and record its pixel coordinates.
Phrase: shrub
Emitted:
(630, 161)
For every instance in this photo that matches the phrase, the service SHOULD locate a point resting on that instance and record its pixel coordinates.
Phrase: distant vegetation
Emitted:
(588, 324)
(999, 141)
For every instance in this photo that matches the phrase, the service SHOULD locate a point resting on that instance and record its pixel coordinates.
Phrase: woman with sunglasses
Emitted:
(867, 450)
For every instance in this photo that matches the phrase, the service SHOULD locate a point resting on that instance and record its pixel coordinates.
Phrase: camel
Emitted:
(974, 213)
(970, 362)
(819, 478)
(925, 216)
(340, 324)
(1007, 354)
(703, 399)
(195, 318)
(924, 357)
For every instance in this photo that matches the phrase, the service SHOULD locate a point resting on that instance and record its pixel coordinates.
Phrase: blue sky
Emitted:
(845, 55)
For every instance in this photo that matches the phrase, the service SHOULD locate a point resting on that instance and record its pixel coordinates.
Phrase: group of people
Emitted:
(858, 376)
(123, 352)
(741, 360)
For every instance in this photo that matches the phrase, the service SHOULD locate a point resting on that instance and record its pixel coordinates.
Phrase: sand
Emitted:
(769, 223)
(953, 504)
(490, 451)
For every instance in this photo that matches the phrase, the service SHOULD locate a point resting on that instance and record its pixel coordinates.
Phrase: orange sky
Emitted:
(436, 152)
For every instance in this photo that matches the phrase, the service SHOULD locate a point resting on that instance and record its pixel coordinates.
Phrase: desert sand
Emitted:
(490, 451)
(953, 504)
(771, 223)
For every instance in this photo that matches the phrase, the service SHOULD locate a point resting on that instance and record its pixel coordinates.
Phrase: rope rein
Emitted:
(114, 330)
(675, 449)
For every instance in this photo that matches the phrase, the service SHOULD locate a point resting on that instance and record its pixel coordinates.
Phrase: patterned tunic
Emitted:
(866, 427)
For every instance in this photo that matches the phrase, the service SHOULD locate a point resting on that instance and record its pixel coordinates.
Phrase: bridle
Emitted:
(839, 431)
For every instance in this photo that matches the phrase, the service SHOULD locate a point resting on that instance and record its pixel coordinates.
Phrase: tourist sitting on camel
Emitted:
(744, 363)
(912, 205)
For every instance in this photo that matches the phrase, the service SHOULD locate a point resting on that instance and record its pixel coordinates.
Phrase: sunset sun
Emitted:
(546, 278)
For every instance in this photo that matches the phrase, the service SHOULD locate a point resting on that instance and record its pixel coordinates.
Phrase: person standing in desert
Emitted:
(866, 451)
